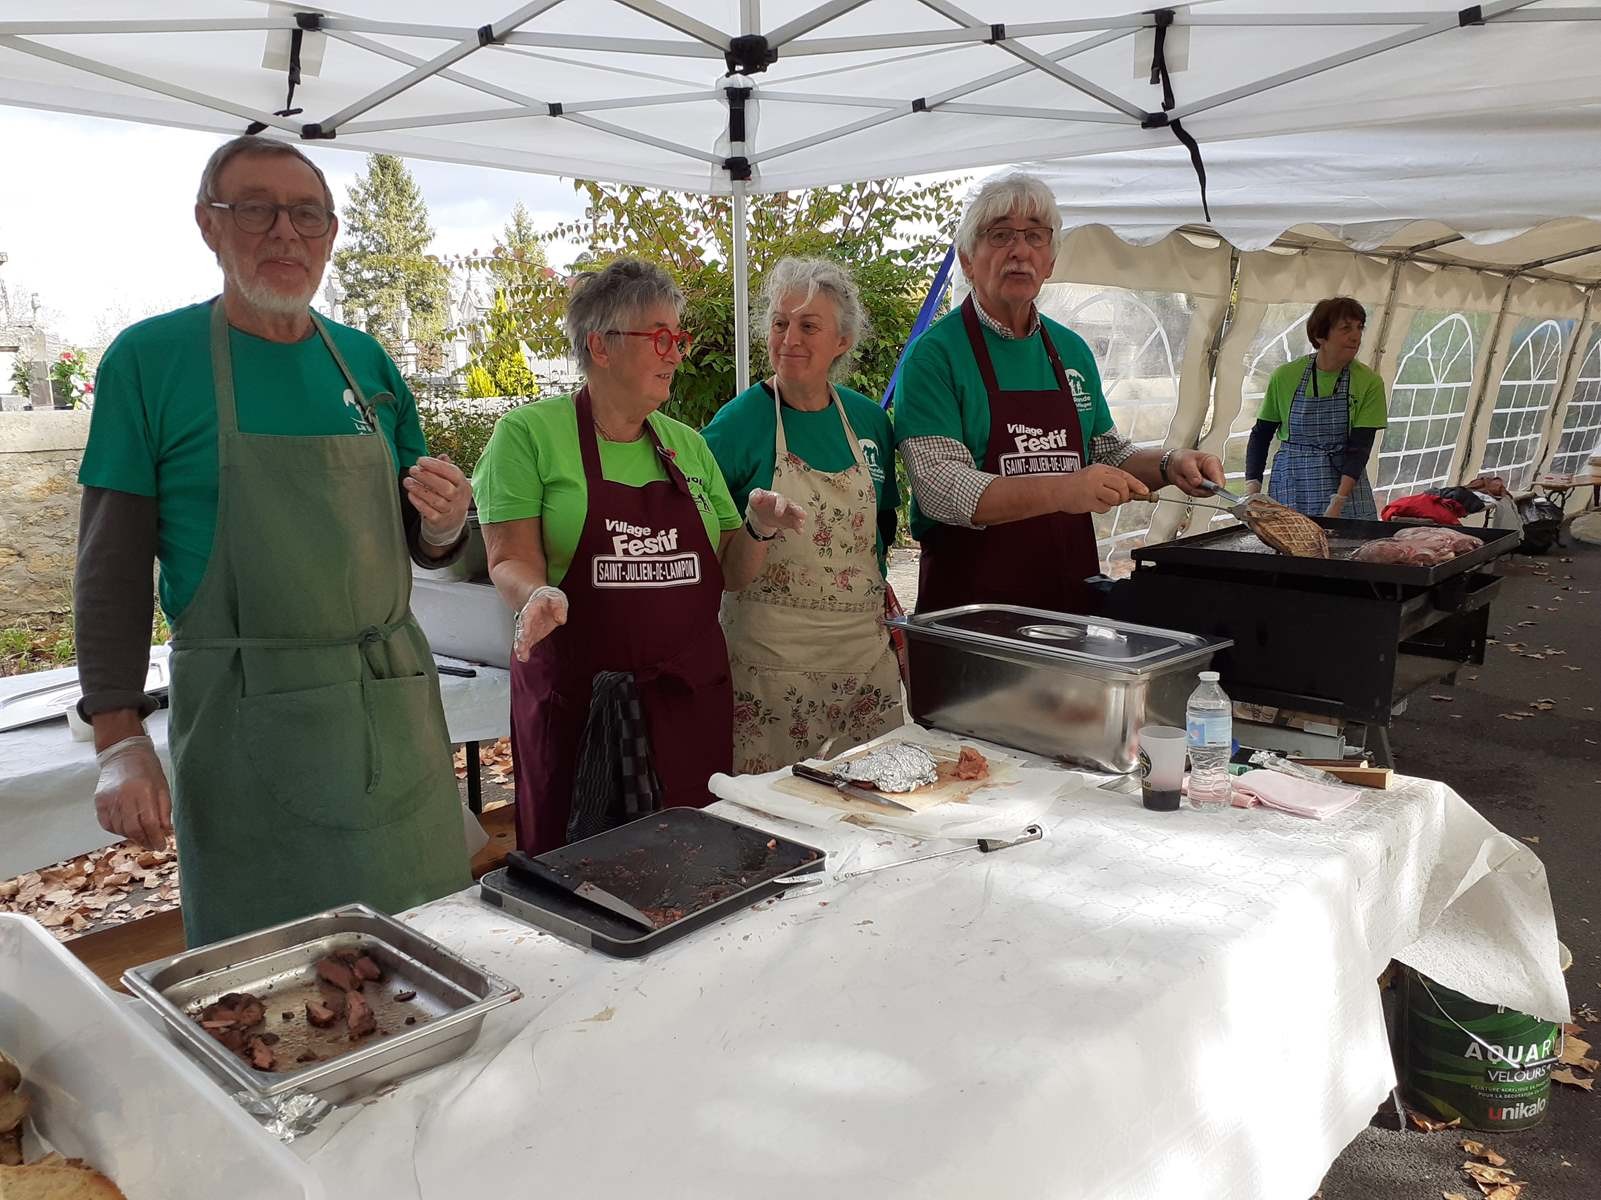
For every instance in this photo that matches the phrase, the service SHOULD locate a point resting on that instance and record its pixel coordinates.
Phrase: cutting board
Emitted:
(948, 790)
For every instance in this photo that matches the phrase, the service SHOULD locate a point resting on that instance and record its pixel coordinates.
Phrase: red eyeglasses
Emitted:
(663, 339)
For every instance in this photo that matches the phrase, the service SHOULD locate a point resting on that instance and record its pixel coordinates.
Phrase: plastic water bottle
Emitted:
(1209, 724)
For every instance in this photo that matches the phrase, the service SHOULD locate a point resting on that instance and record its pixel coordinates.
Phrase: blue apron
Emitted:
(1306, 471)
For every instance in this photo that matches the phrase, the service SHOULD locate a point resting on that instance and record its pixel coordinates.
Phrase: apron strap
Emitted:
(589, 446)
(986, 365)
(781, 442)
(350, 378)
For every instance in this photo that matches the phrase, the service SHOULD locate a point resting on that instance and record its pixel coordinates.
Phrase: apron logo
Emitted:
(643, 557)
(1037, 452)
(870, 456)
(357, 417)
(1081, 390)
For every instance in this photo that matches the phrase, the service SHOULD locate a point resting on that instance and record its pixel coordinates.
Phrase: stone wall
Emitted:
(39, 456)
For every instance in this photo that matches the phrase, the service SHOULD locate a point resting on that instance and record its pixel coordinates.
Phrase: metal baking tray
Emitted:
(680, 859)
(278, 965)
(43, 696)
(1236, 548)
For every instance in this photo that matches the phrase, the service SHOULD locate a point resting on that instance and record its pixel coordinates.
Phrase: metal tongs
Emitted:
(806, 884)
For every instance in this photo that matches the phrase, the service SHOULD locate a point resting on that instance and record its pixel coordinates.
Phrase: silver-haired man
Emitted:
(1005, 431)
(272, 462)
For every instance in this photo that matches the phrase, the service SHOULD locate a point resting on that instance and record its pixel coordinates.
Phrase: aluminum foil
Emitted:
(897, 767)
(288, 1116)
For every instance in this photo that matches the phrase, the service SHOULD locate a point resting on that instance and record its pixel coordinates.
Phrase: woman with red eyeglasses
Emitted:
(612, 536)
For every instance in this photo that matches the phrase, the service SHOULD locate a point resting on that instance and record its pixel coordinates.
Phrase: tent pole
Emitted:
(741, 292)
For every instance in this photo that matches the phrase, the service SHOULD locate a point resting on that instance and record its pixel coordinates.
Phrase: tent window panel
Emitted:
(1427, 400)
(1581, 427)
(1524, 397)
(1138, 339)
(1280, 338)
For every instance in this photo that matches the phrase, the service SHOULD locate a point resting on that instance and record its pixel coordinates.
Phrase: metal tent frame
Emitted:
(736, 162)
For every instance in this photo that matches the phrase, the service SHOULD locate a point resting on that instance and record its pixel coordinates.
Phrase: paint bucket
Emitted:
(1487, 1066)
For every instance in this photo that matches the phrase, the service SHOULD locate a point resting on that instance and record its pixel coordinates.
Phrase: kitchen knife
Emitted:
(847, 787)
(530, 867)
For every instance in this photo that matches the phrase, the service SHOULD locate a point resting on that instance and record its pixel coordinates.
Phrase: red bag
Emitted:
(1424, 507)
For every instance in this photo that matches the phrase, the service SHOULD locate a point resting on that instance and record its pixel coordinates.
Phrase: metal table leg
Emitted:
(475, 785)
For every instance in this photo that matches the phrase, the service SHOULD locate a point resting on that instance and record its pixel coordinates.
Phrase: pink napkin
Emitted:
(1299, 797)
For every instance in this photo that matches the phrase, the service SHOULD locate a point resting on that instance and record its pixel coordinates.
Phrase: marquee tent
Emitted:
(731, 96)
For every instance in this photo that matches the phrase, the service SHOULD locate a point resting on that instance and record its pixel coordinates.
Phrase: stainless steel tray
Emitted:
(278, 965)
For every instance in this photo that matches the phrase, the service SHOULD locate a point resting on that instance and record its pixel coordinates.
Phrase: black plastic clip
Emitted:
(486, 35)
(749, 54)
(311, 22)
(920, 104)
(997, 34)
(1473, 14)
(314, 132)
(553, 109)
(737, 167)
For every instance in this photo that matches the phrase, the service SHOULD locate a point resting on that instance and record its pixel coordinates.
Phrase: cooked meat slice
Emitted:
(367, 969)
(358, 1016)
(338, 974)
(970, 764)
(251, 1012)
(320, 1015)
(261, 1055)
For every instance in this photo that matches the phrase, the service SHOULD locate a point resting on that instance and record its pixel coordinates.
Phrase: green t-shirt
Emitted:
(942, 394)
(154, 427)
(533, 467)
(742, 435)
(1368, 407)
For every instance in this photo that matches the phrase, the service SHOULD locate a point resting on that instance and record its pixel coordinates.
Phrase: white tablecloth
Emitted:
(1141, 1005)
(47, 780)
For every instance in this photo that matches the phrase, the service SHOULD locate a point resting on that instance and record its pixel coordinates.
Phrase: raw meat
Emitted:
(1451, 539)
(970, 764)
(1384, 550)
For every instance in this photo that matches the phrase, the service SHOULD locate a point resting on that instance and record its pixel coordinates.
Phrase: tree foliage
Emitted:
(383, 261)
(520, 252)
(498, 356)
(891, 234)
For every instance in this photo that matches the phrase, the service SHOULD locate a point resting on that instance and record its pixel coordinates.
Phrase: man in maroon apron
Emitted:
(1005, 431)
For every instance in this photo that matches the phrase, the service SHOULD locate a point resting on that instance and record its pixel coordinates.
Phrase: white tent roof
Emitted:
(632, 90)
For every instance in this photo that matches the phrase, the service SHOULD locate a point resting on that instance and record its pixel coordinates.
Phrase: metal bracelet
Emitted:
(1162, 465)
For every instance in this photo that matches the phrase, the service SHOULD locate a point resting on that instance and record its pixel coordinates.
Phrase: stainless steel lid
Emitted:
(1061, 637)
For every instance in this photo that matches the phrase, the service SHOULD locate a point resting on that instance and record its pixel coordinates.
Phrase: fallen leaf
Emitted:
(1444, 699)
(1514, 716)
(1585, 1013)
(1507, 1191)
(1574, 1048)
(1563, 1075)
(1481, 1173)
(604, 1014)
(1480, 1150)
(1452, 1196)
(1533, 841)
(1427, 1124)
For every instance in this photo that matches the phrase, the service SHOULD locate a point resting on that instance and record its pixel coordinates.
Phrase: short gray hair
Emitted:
(1026, 195)
(810, 276)
(250, 144)
(614, 298)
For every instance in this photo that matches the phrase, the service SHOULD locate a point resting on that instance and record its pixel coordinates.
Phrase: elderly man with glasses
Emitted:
(1005, 431)
(272, 462)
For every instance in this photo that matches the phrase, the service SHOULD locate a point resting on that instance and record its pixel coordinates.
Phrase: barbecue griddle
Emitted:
(1236, 548)
(685, 865)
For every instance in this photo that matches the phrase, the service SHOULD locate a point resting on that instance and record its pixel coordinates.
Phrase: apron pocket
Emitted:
(318, 755)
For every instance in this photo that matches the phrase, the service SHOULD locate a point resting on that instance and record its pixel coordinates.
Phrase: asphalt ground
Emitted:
(1535, 778)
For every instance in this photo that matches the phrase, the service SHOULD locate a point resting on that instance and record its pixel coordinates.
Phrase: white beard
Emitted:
(264, 298)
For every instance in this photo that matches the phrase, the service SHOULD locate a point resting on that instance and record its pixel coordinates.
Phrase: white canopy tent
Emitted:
(731, 96)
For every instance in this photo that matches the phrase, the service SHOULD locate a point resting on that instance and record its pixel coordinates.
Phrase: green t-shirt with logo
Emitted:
(1368, 407)
(154, 427)
(942, 394)
(743, 437)
(533, 467)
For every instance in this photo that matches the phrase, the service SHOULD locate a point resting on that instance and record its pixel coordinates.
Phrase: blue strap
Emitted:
(925, 318)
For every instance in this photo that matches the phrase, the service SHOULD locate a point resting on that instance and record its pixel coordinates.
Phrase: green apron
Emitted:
(311, 766)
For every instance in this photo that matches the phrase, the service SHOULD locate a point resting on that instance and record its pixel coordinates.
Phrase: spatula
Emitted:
(531, 868)
(1278, 525)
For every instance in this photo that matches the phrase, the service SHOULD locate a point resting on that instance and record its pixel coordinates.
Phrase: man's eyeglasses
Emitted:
(258, 216)
(1000, 237)
(663, 339)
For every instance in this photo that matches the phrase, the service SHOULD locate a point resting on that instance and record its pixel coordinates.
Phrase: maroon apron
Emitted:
(644, 590)
(1039, 562)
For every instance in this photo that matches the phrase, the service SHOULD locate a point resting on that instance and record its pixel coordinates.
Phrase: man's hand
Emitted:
(132, 799)
(768, 512)
(440, 493)
(545, 608)
(1100, 488)
(1187, 470)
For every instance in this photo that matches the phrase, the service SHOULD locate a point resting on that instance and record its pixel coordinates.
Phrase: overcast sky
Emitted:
(97, 216)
